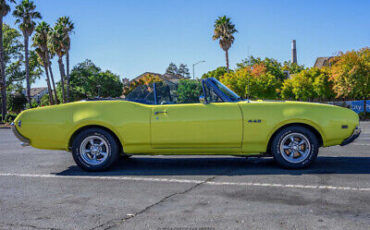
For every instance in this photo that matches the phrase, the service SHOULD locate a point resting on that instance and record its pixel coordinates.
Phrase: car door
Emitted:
(197, 126)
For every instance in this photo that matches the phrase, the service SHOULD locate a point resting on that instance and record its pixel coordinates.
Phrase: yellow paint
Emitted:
(216, 128)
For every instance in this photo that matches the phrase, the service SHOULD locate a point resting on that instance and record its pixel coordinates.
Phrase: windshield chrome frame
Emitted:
(209, 82)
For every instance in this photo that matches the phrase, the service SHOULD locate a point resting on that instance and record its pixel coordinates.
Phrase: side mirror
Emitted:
(202, 99)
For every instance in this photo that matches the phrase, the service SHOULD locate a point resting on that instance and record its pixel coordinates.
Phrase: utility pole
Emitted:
(194, 68)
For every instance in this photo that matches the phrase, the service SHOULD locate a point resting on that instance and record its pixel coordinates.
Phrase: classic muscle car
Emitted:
(158, 119)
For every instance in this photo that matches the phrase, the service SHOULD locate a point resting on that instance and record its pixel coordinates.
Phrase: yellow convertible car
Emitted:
(169, 119)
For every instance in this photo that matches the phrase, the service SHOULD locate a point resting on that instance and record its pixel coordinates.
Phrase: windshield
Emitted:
(228, 92)
(142, 94)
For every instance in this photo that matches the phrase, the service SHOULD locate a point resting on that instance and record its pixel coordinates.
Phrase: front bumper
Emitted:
(24, 141)
(353, 137)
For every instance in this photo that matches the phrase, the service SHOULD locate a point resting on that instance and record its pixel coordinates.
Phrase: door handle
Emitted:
(159, 112)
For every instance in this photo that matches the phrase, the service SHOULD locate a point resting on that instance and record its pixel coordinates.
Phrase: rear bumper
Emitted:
(24, 141)
(353, 137)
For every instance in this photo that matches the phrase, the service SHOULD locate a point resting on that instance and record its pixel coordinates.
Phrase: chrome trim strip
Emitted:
(24, 141)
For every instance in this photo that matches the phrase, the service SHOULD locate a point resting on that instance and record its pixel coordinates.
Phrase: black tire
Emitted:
(125, 156)
(111, 149)
(284, 159)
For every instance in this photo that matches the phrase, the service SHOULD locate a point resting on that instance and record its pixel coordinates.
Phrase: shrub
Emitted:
(10, 117)
(44, 100)
(17, 102)
(189, 91)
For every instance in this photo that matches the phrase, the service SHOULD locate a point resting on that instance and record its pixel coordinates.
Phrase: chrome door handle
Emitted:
(159, 112)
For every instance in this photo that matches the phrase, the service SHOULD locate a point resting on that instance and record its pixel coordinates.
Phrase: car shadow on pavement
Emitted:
(229, 166)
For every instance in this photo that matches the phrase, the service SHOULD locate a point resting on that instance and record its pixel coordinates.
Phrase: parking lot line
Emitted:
(168, 180)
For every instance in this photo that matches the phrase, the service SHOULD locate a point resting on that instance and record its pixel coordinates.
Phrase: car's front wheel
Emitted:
(95, 149)
(295, 147)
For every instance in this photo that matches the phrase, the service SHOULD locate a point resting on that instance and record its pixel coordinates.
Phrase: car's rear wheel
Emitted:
(295, 147)
(95, 149)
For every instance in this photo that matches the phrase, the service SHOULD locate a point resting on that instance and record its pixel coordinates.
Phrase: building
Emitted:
(167, 78)
(37, 93)
(322, 61)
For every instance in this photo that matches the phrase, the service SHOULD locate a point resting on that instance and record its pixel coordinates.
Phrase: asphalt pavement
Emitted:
(41, 189)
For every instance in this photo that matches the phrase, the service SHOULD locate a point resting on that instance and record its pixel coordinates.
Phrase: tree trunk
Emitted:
(51, 101)
(52, 80)
(62, 77)
(27, 69)
(227, 59)
(2, 72)
(67, 63)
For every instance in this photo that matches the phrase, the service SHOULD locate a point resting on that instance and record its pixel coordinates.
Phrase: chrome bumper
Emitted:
(24, 141)
(353, 137)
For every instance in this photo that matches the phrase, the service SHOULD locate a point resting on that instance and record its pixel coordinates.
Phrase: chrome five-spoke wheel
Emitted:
(295, 147)
(94, 150)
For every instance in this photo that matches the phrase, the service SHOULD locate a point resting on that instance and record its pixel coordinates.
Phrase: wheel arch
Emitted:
(80, 129)
(313, 129)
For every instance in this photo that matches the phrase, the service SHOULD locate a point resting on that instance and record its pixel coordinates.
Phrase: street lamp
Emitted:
(195, 65)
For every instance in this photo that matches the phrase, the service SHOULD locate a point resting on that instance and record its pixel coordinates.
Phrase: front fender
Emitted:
(298, 121)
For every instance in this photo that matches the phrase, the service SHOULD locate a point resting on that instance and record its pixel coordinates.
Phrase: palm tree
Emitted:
(50, 56)
(224, 30)
(56, 44)
(40, 41)
(25, 14)
(4, 10)
(68, 27)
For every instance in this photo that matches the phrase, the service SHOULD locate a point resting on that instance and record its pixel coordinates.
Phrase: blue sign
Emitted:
(358, 106)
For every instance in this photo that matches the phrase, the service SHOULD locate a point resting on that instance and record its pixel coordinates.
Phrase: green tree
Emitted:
(271, 65)
(287, 90)
(323, 85)
(56, 45)
(238, 81)
(188, 91)
(293, 68)
(183, 71)
(217, 73)
(4, 10)
(172, 69)
(40, 41)
(25, 14)
(224, 32)
(17, 102)
(253, 82)
(87, 80)
(68, 27)
(12, 57)
(80, 78)
(35, 67)
(263, 86)
(351, 75)
(303, 88)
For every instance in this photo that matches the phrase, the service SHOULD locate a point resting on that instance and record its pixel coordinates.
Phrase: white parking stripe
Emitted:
(168, 180)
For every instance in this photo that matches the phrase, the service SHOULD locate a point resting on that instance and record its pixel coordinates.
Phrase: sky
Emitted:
(131, 37)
